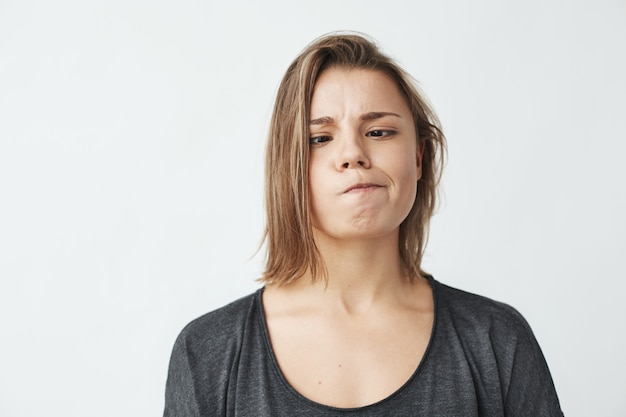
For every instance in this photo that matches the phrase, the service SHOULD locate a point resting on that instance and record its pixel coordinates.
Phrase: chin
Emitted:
(360, 230)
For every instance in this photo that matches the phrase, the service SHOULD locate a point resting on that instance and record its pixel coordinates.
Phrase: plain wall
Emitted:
(131, 160)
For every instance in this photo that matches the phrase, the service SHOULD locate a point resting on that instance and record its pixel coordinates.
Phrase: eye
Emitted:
(318, 140)
(379, 133)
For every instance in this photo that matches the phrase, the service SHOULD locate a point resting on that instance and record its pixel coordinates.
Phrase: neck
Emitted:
(360, 272)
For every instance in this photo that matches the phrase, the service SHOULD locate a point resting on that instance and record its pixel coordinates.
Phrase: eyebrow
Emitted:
(322, 121)
(373, 115)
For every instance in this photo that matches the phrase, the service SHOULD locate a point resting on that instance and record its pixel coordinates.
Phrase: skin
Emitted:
(358, 339)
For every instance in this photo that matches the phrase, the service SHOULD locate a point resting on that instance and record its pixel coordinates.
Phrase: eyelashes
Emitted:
(318, 140)
(374, 133)
(380, 133)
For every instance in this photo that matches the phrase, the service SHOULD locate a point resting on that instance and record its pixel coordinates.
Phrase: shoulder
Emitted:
(497, 342)
(220, 327)
(477, 321)
(207, 347)
(499, 346)
(202, 358)
(479, 313)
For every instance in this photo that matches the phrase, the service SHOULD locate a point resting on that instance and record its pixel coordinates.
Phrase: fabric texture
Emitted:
(482, 360)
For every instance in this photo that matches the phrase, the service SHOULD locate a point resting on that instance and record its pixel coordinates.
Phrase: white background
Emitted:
(131, 148)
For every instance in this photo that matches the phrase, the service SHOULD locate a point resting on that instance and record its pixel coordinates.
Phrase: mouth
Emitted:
(361, 187)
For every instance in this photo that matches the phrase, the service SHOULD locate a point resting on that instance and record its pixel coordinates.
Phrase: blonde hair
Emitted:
(291, 250)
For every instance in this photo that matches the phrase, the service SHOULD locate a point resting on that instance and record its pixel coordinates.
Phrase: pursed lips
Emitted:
(361, 187)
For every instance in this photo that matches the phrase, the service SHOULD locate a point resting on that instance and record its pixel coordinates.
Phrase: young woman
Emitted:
(347, 322)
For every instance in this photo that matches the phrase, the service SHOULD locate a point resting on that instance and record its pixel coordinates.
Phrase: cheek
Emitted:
(316, 181)
(313, 180)
(407, 174)
(406, 167)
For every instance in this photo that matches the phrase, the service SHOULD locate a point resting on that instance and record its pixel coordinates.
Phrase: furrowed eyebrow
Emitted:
(322, 121)
(373, 115)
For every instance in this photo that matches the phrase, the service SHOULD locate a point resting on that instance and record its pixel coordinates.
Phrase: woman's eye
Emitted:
(379, 133)
(316, 140)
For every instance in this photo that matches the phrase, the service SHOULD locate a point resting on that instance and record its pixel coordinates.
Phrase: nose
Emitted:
(353, 153)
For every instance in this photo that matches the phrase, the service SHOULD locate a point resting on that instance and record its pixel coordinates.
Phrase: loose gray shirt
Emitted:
(482, 360)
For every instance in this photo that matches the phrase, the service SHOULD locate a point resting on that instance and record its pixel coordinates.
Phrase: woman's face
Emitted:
(364, 160)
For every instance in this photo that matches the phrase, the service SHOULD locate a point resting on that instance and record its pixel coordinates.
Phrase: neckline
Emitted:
(301, 398)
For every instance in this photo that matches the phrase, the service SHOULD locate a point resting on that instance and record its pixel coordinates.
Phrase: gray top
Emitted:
(482, 360)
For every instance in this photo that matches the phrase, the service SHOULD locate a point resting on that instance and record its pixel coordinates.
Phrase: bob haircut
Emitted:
(291, 250)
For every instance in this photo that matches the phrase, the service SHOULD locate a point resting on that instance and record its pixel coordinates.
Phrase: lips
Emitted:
(361, 187)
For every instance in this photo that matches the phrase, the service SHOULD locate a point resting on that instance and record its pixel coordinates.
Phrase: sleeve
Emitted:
(180, 390)
(531, 391)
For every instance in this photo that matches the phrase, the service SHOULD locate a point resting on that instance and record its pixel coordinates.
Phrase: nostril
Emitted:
(349, 164)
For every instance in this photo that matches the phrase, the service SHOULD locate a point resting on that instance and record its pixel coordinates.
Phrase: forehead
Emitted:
(355, 90)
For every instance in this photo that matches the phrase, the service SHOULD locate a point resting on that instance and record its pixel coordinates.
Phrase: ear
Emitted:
(418, 157)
